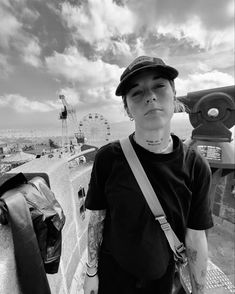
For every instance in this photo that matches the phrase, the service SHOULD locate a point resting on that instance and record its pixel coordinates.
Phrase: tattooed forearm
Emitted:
(203, 273)
(191, 254)
(197, 253)
(95, 233)
(199, 287)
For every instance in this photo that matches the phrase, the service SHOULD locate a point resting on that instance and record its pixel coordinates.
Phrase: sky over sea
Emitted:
(80, 48)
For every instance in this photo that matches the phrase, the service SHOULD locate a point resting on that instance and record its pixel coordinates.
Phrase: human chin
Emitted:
(153, 123)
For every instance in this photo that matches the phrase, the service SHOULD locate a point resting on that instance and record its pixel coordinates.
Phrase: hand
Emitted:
(91, 285)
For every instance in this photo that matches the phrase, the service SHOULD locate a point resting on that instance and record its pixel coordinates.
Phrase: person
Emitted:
(128, 252)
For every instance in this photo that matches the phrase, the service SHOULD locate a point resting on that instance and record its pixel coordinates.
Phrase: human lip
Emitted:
(153, 110)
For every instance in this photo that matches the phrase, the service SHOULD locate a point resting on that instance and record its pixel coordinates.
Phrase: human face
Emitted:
(150, 100)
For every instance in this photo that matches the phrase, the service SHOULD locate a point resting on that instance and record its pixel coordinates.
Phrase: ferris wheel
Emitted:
(95, 127)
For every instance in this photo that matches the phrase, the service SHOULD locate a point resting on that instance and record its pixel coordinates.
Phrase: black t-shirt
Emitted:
(181, 180)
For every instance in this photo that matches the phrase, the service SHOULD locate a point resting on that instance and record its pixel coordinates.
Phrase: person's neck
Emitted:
(157, 141)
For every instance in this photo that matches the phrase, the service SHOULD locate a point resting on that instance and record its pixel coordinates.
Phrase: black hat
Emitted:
(141, 63)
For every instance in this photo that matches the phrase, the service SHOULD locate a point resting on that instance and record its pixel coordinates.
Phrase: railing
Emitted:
(82, 153)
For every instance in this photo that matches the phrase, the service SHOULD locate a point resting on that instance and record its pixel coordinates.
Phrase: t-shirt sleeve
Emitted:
(200, 215)
(95, 199)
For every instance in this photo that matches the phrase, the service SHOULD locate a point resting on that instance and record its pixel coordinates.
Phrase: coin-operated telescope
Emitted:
(212, 114)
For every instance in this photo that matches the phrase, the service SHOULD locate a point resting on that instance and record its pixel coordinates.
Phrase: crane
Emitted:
(63, 117)
(71, 114)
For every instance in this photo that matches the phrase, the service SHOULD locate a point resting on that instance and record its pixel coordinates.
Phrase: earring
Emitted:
(131, 118)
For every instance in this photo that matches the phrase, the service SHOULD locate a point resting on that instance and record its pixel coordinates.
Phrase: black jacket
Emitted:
(36, 220)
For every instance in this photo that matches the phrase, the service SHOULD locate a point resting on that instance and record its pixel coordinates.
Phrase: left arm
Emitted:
(197, 253)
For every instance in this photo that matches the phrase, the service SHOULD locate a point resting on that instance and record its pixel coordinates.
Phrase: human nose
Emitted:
(150, 98)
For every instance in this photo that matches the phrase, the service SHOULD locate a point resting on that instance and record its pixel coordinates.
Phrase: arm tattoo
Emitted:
(192, 255)
(95, 234)
(198, 286)
(203, 273)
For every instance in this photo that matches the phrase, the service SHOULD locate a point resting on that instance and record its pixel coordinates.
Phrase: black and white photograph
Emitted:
(117, 153)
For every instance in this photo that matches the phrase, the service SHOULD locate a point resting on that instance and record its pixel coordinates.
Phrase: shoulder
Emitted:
(108, 151)
(197, 162)
(192, 152)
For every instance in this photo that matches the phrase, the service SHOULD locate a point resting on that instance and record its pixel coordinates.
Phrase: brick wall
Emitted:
(224, 198)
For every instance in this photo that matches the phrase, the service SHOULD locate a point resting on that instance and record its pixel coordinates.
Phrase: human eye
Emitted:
(137, 93)
(158, 86)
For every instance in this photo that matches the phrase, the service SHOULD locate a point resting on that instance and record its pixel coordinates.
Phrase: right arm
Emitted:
(95, 237)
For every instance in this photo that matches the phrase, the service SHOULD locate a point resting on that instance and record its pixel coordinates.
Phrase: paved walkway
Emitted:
(222, 250)
(221, 267)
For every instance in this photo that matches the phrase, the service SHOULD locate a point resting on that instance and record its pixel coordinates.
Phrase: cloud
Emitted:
(203, 81)
(213, 14)
(10, 27)
(15, 22)
(5, 67)
(120, 48)
(80, 49)
(24, 105)
(31, 53)
(101, 100)
(194, 31)
(97, 22)
(139, 48)
(71, 95)
(94, 81)
(96, 99)
(74, 66)
(203, 22)
(206, 61)
(30, 16)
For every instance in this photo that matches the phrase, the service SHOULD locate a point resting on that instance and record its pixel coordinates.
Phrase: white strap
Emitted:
(150, 194)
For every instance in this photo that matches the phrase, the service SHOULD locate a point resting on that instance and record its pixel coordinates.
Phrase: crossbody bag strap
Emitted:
(176, 246)
(31, 273)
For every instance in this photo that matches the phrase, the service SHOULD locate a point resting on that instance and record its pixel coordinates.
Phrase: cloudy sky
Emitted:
(80, 48)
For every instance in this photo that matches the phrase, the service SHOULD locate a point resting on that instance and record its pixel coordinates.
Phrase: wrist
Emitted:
(92, 265)
(91, 269)
(91, 274)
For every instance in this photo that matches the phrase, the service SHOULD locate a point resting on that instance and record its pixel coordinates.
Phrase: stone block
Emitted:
(216, 209)
(83, 242)
(70, 242)
(55, 281)
(227, 213)
(8, 276)
(72, 266)
(218, 198)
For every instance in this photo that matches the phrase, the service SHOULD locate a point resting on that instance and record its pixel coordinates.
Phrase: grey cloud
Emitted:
(159, 45)
(213, 13)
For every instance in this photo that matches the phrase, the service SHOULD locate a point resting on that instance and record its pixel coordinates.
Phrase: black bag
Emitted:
(46, 213)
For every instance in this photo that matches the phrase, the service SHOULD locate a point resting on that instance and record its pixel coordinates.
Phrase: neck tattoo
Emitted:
(163, 150)
(154, 142)
(158, 142)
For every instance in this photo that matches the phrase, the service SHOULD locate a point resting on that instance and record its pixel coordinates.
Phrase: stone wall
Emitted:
(65, 186)
(224, 197)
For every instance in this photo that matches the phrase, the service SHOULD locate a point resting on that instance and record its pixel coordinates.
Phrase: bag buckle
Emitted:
(163, 222)
(180, 254)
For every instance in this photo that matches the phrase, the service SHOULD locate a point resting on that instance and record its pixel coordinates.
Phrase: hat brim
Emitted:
(164, 71)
